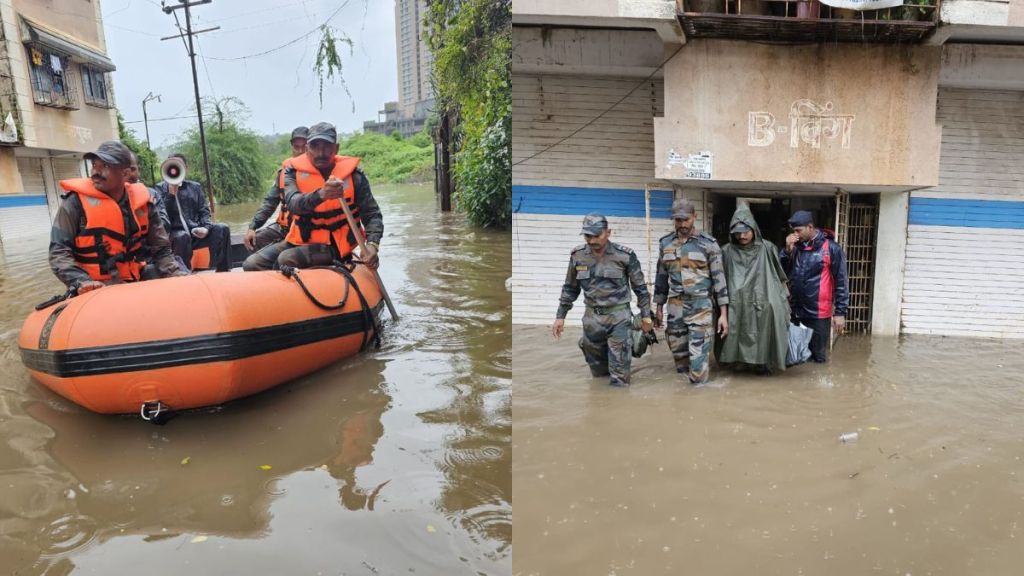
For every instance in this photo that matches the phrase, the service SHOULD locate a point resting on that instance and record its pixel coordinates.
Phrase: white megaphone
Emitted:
(173, 171)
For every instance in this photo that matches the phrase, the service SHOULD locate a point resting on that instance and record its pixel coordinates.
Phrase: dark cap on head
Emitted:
(739, 227)
(113, 153)
(683, 208)
(801, 218)
(594, 224)
(322, 131)
(300, 132)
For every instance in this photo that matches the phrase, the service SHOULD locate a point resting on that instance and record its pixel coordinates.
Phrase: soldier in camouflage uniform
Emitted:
(605, 272)
(690, 276)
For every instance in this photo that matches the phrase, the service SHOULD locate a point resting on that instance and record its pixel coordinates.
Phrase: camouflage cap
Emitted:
(739, 227)
(111, 152)
(683, 208)
(322, 131)
(300, 132)
(594, 224)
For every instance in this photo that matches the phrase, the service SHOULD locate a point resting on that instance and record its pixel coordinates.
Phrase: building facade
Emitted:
(415, 88)
(56, 103)
(898, 128)
(390, 119)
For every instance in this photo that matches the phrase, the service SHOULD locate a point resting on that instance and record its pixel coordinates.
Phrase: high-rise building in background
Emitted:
(415, 91)
(414, 57)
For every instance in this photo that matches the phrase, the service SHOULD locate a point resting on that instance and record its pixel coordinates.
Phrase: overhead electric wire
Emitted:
(601, 115)
(289, 43)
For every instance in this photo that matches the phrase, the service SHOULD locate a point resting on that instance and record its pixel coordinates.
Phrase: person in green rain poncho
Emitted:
(758, 299)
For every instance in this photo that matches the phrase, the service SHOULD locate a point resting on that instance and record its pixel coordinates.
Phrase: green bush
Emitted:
(385, 159)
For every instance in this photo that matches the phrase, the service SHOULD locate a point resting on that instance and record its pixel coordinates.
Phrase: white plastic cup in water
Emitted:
(849, 437)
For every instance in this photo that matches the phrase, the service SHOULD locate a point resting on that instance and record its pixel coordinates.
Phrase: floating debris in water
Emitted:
(849, 437)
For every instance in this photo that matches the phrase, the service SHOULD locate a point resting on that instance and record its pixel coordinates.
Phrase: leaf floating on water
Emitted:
(431, 529)
(199, 539)
(874, 428)
(185, 460)
(265, 466)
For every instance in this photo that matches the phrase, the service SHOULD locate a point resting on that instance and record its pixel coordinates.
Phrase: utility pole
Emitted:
(195, 82)
(145, 120)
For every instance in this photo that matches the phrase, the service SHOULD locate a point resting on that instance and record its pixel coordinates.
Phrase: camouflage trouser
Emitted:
(690, 334)
(607, 344)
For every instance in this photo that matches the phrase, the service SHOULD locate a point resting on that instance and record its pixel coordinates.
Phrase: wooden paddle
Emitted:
(353, 225)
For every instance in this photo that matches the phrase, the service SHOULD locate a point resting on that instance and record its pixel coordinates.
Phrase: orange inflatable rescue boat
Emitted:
(199, 340)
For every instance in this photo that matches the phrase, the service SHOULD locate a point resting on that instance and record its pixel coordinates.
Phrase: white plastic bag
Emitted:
(799, 344)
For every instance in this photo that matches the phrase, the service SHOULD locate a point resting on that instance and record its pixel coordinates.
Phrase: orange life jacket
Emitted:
(327, 224)
(283, 217)
(104, 241)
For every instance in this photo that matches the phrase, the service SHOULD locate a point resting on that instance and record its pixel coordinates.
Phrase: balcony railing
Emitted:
(806, 21)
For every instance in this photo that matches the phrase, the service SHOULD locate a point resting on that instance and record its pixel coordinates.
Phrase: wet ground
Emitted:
(747, 475)
(393, 462)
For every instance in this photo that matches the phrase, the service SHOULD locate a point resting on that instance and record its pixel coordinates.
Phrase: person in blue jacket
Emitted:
(818, 287)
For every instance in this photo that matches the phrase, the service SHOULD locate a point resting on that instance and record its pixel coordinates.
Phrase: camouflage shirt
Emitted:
(605, 280)
(690, 269)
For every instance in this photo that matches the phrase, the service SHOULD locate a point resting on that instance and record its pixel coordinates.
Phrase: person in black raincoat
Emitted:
(758, 298)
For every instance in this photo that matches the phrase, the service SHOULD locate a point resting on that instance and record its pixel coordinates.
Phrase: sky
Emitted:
(280, 88)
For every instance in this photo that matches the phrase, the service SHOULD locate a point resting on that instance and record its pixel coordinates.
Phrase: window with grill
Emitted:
(51, 79)
(95, 84)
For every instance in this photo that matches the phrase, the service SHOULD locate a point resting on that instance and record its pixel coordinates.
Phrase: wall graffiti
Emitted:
(809, 123)
(80, 133)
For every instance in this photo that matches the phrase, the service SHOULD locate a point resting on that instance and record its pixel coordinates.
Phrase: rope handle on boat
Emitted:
(291, 272)
(345, 270)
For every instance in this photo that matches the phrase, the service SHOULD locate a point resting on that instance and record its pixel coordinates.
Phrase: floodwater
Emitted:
(393, 462)
(747, 474)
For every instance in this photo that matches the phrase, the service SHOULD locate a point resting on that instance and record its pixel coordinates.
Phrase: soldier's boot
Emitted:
(620, 354)
(596, 355)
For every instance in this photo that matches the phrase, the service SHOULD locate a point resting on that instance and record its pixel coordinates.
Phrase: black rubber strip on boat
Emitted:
(194, 349)
(44, 334)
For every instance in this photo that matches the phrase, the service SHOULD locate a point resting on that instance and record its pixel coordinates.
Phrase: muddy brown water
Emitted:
(747, 475)
(392, 462)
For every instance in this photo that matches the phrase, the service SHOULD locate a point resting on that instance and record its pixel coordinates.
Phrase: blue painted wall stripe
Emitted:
(967, 213)
(19, 200)
(628, 202)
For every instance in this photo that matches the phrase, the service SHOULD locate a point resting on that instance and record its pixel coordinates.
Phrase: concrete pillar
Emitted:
(889, 264)
(10, 177)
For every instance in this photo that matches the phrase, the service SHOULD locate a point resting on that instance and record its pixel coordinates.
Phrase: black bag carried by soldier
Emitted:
(641, 341)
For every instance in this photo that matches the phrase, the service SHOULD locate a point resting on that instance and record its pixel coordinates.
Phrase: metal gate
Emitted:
(860, 264)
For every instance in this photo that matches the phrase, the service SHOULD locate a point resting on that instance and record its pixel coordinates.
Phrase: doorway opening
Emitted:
(852, 218)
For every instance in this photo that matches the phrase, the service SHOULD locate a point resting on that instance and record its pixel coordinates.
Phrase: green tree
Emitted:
(239, 166)
(148, 163)
(472, 45)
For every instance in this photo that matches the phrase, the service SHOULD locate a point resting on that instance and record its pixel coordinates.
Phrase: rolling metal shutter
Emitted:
(964, 266)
